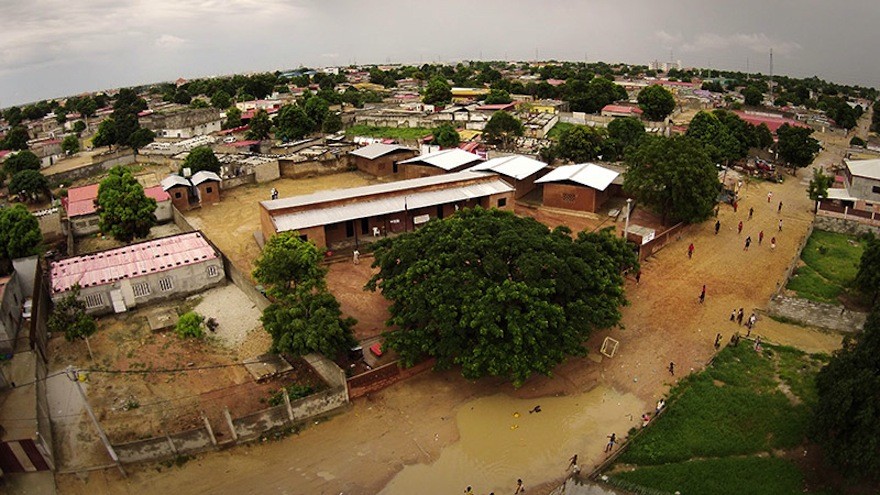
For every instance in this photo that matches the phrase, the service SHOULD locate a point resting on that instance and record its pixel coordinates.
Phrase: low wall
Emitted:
(816, 314)
(658, 242)
(326, 369)
(383, 376)
(253, 425)
(95, 168)
(293, 170)
(238, 181)
(158, 159)
(151, 449)
(825, 221)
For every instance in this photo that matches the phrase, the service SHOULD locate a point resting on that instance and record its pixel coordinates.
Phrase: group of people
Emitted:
(520, 488)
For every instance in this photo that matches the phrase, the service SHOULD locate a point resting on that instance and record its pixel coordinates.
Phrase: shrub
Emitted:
(190, 326)
(295, 391)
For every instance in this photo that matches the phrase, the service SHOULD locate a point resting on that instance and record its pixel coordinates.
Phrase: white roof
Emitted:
(446, 159)
(864, 168)
(840, 193)
(202, 176)
(587, 174)
(383, 206)
(174, 180)
(516, 166)
(375, 150)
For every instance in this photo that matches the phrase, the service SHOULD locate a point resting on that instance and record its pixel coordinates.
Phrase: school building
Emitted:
(584, 187)
(349, 217)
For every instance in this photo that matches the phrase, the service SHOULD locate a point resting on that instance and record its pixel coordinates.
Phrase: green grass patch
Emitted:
(400, 133)
(558, 129)
(799, 371)
(735, 476)
(832, 261)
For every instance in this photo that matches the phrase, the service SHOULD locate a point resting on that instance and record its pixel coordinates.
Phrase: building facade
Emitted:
(381, 159)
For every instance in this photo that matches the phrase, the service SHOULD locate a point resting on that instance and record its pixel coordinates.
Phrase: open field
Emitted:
(830, 264)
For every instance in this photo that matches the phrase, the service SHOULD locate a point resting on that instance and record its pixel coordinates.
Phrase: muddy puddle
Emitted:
(502, 441)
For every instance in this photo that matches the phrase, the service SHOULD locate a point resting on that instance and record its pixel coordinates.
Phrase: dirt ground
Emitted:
(143, 404)
(360, 451)
(231, 223)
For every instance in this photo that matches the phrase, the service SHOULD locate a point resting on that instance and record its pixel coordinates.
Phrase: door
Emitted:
(118, 302)
(349, 228)
(365, 226)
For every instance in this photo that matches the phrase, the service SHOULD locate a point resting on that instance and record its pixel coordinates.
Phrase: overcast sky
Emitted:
(53, 48)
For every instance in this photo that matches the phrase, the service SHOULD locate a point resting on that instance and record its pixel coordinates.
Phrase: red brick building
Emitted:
(381, 159)
(438, 162)
(584, 187)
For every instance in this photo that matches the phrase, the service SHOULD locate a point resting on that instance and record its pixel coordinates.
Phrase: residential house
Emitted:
(621, 111)
(438, 162)
(859, 199)
(345, 218)
(183, 123)
(583, 187)
(202, 188)
(381, 159)
(81, 208)
(521, 171)
(121, 278)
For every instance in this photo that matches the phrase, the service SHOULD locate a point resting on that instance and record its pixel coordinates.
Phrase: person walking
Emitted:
(717, 341)
(780, 225)
(779, 210)
(739, 317)
(735, 204)
(612, 439)
(733, 315)
(691, 251)
(671, 368)
(760, 237)
(751, 212)
(660, 405)
(638, 277)
(717, 226)
(773, 243)
(739, 228)
(703, 294)
(748, 243)
(769, 196)
(519, 486)
(573, 463)
(356, 257)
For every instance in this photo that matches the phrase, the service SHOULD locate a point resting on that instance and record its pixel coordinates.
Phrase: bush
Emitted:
(295, 391)
(190, 326)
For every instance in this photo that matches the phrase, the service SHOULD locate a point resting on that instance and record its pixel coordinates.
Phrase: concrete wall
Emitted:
(50, 224)
(238, 181)
(816, 314)
(863, 188)
(187, 442)
(100, 164)
(10, 312)
(252, 426)
(209, 192)
(266, 172)
(383, 377)
(292, 169)
(841, 226)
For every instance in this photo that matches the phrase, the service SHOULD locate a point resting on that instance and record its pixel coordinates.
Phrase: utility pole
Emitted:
(628, 208)
(73, 375)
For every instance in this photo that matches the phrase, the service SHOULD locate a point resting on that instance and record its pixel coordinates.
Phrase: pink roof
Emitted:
(80, 201)
(773, 122)
(243, 144)
(555, 82)
(136, 260)
(497, 106)
(240, 128)
(4, 153)
(622, 109)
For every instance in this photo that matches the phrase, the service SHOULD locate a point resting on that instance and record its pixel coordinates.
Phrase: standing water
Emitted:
(503, 439)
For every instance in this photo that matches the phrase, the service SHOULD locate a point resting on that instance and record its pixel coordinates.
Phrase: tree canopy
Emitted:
(446, 136)
(498, 294)
(233, 118)
(580, 143)
(304, 317)
(673, 176)
(70, 145)
(70, 319)
(292, 123)
(124, 210)
(438, 92)
(625, 133)
(20, 234)
(201, 158)
(819, 185)
(29, 182)
(591, 96)
(260, 126)
(221, 99)
(796, 145)
(846, 422)
(502, 128)
(656, 101)
(106, 134)
(23, 160)
(16, 138)
(868, 276)
(752, 96)
(140, 138)
(497, 96)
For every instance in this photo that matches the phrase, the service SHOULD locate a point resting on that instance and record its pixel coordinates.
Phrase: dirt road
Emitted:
(360, 452)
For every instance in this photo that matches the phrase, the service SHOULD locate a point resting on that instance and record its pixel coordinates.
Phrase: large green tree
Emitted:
(317, 109)
(140, 138)
(124, 210)
(819, 184)
(303, 317)
(868, 276)
(716, 138)
(498, 294)
(23, 160)
(70, 319)
(29, 182)
(502, 128)
(16, 138)
(221, 99)
(497, 96)
(580, 143)
(846, 422)
(796, 145)
(446, 136)
(259, 126)
(673, 176)
(19, 233)
(625, 133)
(656, 101)
(70, 144)
(201, 158)
(752, 96)
(292, 123)
(438, 92)
(233, 118)
(106, 134)
(592, 96)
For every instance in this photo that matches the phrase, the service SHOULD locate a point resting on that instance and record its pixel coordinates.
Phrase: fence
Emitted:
(658, 242)
(384, 376)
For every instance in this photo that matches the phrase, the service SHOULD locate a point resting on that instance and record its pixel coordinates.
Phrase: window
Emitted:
(209, 189)
(165, 284)
(213, 271)
(94, 300)
(875, 189)
(141, 290)
(177, 195)
(502, 202)
(568, 197)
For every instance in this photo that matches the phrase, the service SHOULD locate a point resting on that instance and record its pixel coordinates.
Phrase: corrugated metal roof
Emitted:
(354, 192)
(375, 150)
(174, 180)
(131, 261)
(587, 174)
(865, 168)
(202, 176)
(839, 193)
(384, 206)
(84, 200)
(446, 159)
(517, 166)
(75, 194)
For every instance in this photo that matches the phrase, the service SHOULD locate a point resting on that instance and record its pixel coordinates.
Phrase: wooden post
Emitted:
(210, 430)
(287, 403)
(230, 423)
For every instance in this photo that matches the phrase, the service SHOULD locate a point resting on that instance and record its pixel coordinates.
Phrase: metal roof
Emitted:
(131, 261)
(841, 194)
(446, 159)
(202, 176)
(174, 180)
(384, 206)
(85, 198)
(375, 150)
(864, 168)
(516, 166)
(355, 192)
(587, 174)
